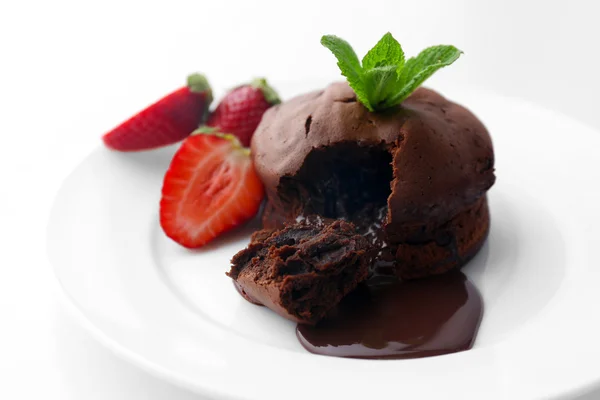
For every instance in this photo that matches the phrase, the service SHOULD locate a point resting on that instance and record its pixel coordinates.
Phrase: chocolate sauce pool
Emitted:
(388, 319)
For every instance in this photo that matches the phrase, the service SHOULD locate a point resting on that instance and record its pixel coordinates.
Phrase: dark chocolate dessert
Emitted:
(426, 165)
(403, 173)
(303, 270)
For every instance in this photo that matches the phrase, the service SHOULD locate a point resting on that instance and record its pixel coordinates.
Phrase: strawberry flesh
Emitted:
(210, 188)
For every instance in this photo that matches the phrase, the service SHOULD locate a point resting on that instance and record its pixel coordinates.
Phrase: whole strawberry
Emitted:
(169, 120)
(241, 110)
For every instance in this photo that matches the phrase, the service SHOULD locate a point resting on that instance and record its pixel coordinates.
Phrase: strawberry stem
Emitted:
(233, 139)
(209, 130)
(199, 84)
(270, 94)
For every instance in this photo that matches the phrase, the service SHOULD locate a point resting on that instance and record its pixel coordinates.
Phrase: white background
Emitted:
(70, 70)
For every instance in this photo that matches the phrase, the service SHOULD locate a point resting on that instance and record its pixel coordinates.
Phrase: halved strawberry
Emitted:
(169, 120)
(210, 188)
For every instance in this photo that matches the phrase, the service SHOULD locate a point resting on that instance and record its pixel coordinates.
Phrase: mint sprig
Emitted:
(347, 62)
(385, 79)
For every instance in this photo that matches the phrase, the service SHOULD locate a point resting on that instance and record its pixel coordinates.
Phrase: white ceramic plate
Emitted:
(174, 312)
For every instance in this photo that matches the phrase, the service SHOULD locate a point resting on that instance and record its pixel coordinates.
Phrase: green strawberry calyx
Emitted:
(209, 130)
(198, 83)
(270, 94)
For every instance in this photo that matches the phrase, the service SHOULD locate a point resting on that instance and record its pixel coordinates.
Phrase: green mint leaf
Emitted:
(349, 65)
(385, 79)
(380, 84)
(386, 52)
(419, 68)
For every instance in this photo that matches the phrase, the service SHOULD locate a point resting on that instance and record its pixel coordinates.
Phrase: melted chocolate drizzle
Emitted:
(389, 319)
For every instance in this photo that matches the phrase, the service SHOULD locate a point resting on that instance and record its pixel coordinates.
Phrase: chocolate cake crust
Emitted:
(442, 154)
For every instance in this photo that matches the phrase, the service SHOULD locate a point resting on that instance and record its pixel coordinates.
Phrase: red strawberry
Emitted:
(210, 188)
(240, 111)
(167, 121)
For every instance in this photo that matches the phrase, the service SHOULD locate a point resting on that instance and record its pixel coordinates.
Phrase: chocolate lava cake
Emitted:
(413, 179)
(401, 170)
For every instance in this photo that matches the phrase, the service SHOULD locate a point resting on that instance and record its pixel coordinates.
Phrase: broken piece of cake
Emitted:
(304, 269)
